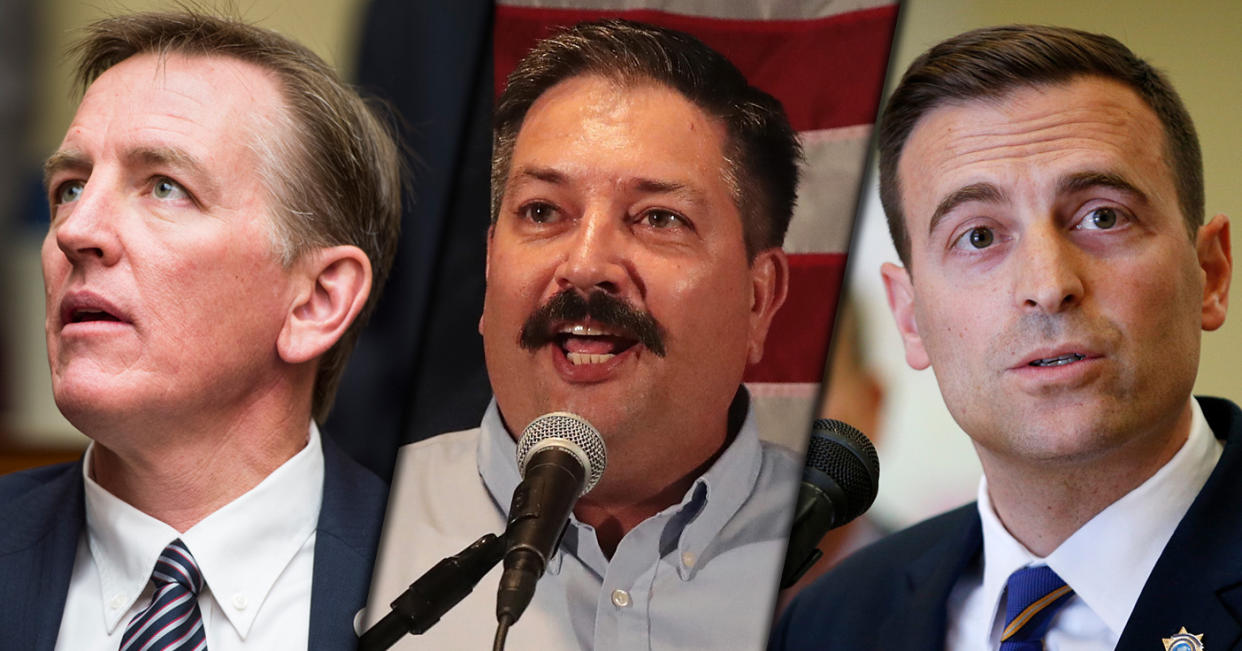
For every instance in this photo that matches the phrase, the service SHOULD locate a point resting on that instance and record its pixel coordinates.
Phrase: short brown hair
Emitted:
(762, 151)
(335, 175)
(989, 63)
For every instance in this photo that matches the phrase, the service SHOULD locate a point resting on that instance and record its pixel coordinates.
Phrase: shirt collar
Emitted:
(1103, 561)
(709, 503)
(241, 548)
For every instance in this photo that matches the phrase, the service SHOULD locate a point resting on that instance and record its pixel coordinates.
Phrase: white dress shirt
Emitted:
(1106, 562)
(256, 555)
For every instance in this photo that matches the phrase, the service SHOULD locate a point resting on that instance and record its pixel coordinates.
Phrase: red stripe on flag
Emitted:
(797, 344)
(828, 72)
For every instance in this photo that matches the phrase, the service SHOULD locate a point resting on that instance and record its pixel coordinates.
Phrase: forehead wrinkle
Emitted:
(1005, 139)
(1036, 134)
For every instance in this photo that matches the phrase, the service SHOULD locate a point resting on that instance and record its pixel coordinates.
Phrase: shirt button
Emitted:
(620, 598)
(117, 601)
(239, 601)
(688, 559)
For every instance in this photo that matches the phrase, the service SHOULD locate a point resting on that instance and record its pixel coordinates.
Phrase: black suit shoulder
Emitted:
(858, 600)
(14, 486)
(893, 594)
(43, 512)
(31, 501)
(354, 499)
(347, 536)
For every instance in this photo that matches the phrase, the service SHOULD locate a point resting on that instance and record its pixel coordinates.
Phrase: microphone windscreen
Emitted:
(569, 432)
(840, 460)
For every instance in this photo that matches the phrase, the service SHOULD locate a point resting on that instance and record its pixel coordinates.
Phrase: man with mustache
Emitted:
(224, 211)
(641, 191)
(1044, 188)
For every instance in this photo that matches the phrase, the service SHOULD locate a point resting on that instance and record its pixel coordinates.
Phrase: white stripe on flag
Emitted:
(784, 411)
(828, 192)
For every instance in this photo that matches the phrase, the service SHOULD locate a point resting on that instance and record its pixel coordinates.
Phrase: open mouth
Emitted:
(592, 329)
(583, 344)
(85, 316)
(1060, 360)
(87, 307)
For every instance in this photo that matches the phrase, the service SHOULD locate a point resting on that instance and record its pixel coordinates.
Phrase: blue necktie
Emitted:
(173, 620)
(1034, 595)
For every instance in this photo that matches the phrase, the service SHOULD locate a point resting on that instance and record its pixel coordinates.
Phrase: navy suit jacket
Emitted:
(893, 594)
(42, 514)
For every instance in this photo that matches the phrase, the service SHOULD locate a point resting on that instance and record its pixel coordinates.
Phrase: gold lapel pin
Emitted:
(1184, 641)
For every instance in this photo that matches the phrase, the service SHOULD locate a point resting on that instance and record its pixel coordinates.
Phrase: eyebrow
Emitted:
(973, 192)
(1087, 180)
(545, 174)
(172, 158)
(60, 160)
(641, 184)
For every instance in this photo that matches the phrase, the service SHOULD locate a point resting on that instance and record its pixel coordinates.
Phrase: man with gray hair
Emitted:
(641, 189)
(223, 213)
(1044, 189)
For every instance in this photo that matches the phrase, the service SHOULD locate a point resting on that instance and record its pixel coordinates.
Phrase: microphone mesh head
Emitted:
(846, 456)
(569, 432)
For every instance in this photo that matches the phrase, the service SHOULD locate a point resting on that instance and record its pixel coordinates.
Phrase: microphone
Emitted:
(839, 483)
(560, 457)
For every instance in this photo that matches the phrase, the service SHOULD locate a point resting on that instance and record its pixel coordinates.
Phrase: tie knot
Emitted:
(1033, 597)
(177, 565)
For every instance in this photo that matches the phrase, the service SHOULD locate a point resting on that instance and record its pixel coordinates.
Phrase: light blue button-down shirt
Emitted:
(701, 574)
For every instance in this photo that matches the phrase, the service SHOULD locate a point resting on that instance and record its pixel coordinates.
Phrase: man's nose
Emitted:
(85, 229)
(595, 256)
(1049, 275)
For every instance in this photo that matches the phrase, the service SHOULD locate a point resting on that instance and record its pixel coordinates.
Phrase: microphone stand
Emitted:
(435, 593)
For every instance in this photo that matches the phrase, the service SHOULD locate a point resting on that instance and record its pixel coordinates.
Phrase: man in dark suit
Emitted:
(1044, 189)
(224, 211)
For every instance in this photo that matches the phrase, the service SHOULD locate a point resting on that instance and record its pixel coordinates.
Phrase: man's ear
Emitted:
(1212, 246)
(769, 280)
(900, 290)
(332, 285)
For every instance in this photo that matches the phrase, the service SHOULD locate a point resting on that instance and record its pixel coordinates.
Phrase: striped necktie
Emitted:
(173, 620)
(1035, 594)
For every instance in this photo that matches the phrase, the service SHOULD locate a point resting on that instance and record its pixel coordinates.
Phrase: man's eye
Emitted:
(168, 190)
(69, 191)
(663, 219)
(979, 237)
(538, 212)
(1100, 219)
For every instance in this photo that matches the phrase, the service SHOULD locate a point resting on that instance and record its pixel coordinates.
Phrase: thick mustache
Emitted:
(600, 306)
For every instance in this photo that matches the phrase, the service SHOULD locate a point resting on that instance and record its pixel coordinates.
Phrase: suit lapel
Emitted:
(922, 605)
(345, 541)
(38, 542)
(1197, 583)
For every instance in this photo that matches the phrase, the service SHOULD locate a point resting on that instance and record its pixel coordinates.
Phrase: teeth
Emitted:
(579, 330)
(1058, 361)
(578, 359)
